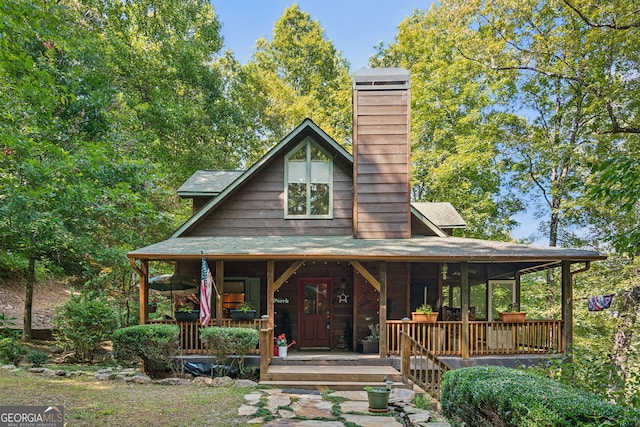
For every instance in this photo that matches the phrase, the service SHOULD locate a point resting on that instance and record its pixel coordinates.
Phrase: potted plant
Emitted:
(370, 343)
(378, 398)
(424, 314)
(513, 314)
(282, 345)
(187, 314)
(243, 312)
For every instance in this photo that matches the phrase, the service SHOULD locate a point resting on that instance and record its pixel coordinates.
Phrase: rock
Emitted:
(104, 377)
(61, 373)
(222, 381)
(246, 410)
(245, 384)
(142, 379)
(36, 370)
(202, 381)
(8, 367)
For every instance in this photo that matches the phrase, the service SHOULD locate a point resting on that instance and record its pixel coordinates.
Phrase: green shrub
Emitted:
(83, 322)
(225, 342)
(498, 396)
(12, 351)
(6, 324)
(37, 358)
(157, 346)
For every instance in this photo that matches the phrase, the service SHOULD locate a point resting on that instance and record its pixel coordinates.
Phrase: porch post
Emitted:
(567, 305)
(464, 310)
(383, 309)
(271, 293)
(144, 291)
(220, 285)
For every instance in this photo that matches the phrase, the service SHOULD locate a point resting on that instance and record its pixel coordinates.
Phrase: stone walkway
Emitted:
(309, 408)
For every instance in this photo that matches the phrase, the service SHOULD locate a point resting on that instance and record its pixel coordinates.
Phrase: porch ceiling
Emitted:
(423, 248)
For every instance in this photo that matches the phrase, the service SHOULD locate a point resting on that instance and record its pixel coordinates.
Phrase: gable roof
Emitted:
(208, 183)
(306, 126)
(442, 214)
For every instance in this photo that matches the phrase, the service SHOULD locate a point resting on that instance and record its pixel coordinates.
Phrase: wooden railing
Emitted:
(419, 365)
(190, 342)
(485, 338)
(266, 342)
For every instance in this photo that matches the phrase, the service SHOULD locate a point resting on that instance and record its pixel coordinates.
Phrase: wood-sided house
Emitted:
(328, 247)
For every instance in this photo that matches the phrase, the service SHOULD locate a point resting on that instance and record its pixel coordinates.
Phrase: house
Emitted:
(328, 247)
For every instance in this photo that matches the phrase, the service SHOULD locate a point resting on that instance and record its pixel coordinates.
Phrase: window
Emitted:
(309, 182)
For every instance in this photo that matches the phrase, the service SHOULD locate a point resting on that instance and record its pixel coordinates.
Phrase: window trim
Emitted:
(308, 143)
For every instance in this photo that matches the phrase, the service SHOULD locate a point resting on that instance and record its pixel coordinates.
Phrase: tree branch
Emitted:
(592, 24)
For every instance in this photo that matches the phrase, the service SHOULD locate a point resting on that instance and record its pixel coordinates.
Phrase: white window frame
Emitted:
(308, 142)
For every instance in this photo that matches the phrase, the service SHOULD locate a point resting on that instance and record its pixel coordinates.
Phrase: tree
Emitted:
(169, 105)
(67, 194)
(296, 75)
(588, 53)
(455, 124)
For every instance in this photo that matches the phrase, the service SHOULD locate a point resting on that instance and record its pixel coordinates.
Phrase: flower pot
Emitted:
(425, 317)
(282, 351)
(378, 399)
(240, 315)
(365, 346)
(187, 316)
(513, 316)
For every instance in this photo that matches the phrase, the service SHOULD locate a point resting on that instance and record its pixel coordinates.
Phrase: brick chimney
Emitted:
(381, 153)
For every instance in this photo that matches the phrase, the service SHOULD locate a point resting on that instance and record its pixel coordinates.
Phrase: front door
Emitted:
(314, 313)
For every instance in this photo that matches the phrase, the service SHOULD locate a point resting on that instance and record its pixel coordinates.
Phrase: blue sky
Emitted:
(354, 26)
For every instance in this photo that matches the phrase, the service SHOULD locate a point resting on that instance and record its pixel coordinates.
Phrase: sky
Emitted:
(354, 27)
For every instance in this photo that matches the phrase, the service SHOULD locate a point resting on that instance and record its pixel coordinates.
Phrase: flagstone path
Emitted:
(310, 408)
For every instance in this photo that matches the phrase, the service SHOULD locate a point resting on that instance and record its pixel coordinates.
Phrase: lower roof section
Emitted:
(424, 248)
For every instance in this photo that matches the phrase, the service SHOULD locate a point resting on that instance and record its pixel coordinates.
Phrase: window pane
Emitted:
(297, 203)
(297, 172)
(319, 199)
(301, 154)
(320, 172)
(316, 154)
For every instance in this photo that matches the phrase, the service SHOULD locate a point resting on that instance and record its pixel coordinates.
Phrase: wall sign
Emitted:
(281, 300)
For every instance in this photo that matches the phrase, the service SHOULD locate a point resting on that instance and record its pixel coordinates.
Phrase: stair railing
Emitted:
(418, 364)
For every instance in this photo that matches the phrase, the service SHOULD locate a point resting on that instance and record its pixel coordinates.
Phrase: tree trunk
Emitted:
(28, 299)
(624, 334)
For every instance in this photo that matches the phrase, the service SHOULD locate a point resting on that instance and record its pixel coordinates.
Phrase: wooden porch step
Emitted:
(314, 372)
(333, 385)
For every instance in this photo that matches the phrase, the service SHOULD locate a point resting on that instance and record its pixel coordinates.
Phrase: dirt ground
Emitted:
(46, 297)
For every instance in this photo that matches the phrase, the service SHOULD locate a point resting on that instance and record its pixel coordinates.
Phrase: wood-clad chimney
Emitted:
(381, 153)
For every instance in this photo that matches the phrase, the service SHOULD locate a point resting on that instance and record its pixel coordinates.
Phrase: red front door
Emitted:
(314, 313)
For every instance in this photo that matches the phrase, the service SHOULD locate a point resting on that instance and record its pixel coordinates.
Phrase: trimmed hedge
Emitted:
(157, 346)
(495, 396)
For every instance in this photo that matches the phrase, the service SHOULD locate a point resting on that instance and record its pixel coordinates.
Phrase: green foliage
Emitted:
(488, 396)
(12, 351)
(225, 342)
(157, 345)
(456, 131)
(37, 358)
(83, 322)
(298, 74)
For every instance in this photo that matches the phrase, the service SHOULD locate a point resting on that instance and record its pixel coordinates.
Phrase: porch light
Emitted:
(444, 271)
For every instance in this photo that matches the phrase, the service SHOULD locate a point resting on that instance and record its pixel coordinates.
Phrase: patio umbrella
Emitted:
(173, 284)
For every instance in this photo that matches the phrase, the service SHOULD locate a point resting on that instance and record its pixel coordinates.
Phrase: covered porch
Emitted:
(336, 292)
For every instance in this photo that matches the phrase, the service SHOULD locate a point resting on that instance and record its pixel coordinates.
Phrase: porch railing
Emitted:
(190, 342)
(485, 338)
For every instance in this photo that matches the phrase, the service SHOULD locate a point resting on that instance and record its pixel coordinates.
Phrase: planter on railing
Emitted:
(513, 316)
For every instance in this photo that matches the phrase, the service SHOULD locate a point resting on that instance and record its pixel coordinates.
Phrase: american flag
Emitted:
(206, 284)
